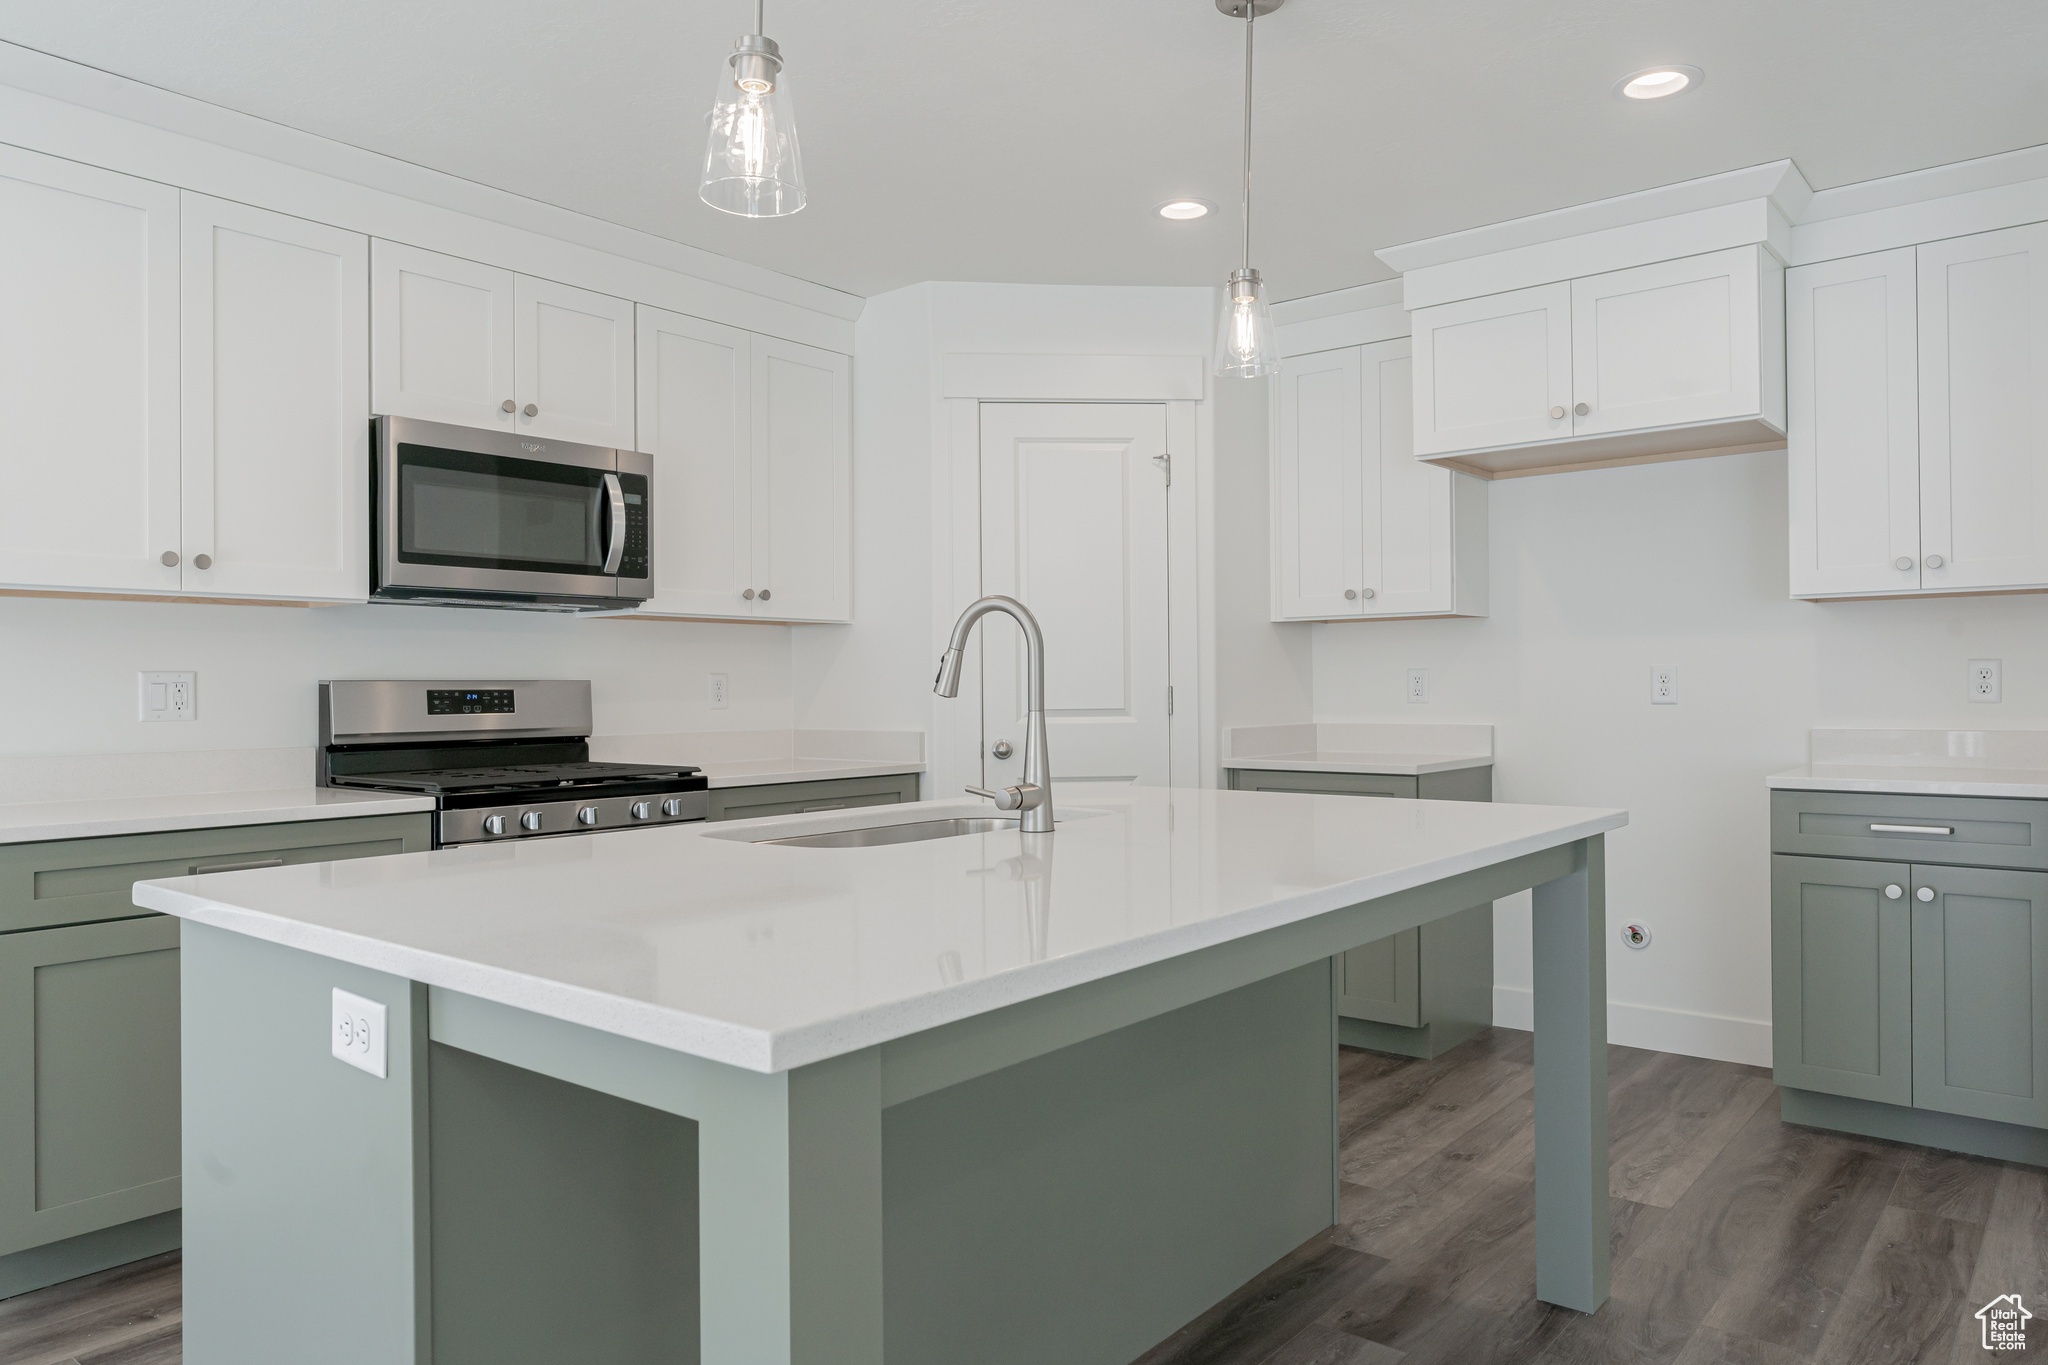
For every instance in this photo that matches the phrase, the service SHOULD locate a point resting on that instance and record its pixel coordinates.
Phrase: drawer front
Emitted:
(78, 881)
(796, 798)
(1977, 831)
(1321, 784)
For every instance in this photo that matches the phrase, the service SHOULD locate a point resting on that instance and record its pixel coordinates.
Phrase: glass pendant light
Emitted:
(1244, 344)
(751, 163)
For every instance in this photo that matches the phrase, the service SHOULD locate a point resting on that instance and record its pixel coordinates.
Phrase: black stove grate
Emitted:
(537, 777)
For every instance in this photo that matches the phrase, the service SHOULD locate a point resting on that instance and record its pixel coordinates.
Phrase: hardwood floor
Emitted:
(1737, 1239)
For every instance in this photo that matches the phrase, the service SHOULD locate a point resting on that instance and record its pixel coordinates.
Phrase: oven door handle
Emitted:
(615, 531)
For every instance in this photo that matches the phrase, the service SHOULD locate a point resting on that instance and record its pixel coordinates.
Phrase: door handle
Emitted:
(1912, 829)
(615, 529)
(201, 869)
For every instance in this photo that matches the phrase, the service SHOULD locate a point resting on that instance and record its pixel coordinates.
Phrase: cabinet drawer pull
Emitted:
(201, 869)
(806, 810)
(1912, 829)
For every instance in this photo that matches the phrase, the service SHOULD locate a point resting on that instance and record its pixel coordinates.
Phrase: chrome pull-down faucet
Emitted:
(1032, 796)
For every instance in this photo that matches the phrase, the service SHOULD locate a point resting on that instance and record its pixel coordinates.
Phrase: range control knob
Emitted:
(494, 824)
(642, 810)
(530, 820)
(587, 816)
(672, 806)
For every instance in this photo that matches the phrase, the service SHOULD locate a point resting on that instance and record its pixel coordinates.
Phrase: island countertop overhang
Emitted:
(770, 958)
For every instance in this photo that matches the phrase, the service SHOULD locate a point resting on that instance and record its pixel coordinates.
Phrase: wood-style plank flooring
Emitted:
(1737, 1238)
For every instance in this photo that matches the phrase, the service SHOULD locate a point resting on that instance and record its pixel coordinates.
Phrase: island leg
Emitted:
(790, 1216)
(1570, 933)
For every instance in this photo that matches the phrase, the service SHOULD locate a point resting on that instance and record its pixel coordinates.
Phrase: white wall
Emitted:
(68, 684)
(1597, 576)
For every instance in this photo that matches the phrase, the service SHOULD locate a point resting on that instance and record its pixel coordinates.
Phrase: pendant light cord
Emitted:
(1251, 12)
(760, 14)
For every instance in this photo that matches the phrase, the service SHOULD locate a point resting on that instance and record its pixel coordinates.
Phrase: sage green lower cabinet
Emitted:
(798, 798)
(1909, 999)
(1423, 990)
(89, 1025)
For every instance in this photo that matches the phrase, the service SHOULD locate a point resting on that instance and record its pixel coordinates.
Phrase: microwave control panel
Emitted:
(633, 563)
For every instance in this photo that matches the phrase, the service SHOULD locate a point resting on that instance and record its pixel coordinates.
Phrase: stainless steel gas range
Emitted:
(502, 760)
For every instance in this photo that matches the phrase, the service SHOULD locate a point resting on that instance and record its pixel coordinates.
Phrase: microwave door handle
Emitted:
(615, 531)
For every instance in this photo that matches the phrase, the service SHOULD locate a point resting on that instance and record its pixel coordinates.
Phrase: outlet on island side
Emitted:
(357, 1036)
(1986, 682)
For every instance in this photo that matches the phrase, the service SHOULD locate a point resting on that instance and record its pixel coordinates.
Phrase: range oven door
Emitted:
(466, 515)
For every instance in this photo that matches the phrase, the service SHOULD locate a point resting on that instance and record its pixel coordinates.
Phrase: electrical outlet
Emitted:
(719, 691)
(1985, 681)
(167, 696)
(358, 1035)
(1418, 685)
(1663, 685)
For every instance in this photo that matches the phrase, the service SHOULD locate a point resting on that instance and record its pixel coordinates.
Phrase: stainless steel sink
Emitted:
(895, 834)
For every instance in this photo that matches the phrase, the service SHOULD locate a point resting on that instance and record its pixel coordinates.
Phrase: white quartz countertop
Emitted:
(1913, 780)
(767, 771)
(768, 957)
(1393, 765)
(93, 819)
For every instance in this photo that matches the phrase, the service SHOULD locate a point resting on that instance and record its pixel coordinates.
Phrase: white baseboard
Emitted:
(1656, 1028)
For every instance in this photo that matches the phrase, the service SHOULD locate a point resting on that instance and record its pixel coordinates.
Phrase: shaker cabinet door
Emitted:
(1668, 344)
(88, 378)
(1490, 371)
(802, 501)
(573, 354)
(1980, 993)
(276, 412)
(1842, 1007)
(1410, 528)
(441, 342)
(1983, 304)
(1853, 437)
(1318, 487)
(696, 419)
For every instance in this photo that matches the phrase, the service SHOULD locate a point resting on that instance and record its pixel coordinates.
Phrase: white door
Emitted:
(88, 377)
(696, 415)
(574, 364)
(1984, 409)
(1853, 435)
(1318, 501)
(275, 327)
(1406, 512)
(1073, 525)
(803, 483)
(1490, 371)
(1666, 344)
(441, 345)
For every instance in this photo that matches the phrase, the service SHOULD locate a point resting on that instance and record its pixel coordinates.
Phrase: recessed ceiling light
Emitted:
(1658, 82)
(1180, 210)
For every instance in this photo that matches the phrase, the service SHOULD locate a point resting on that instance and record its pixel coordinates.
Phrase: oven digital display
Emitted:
(451, 702)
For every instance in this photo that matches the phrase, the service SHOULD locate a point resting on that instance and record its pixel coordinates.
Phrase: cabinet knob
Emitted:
(748, 594)
(508, 406)
(1350, 594)
(1582, 409)
(1933, 562)
(1894, 891)
(764, 594)
(1903, 562)
(532, 409)
(170, 559)
(1368, 594)
(202, 561)
(1001, 748)
(1556, 414)
(1924, 894)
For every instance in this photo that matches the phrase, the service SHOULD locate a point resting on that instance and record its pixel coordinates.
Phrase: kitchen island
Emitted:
(677, 1095)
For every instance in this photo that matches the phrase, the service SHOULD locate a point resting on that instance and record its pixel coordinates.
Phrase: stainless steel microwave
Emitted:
(476, 518)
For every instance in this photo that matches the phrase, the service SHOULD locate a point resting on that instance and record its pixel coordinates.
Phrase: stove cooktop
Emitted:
(534, 778)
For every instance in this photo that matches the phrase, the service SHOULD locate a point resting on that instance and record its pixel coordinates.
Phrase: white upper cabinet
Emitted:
(1318, 502)
(574, 364)
(1361, 528)
(275, 316)
(696, 420)
(1853, 453)
(455, 341)
(1494, 371)
(88, 378)
(1656, 361)
(442, 346)
(1984, 410)
(803, 482)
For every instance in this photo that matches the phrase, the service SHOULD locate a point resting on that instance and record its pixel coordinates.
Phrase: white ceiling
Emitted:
(1027, 140)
